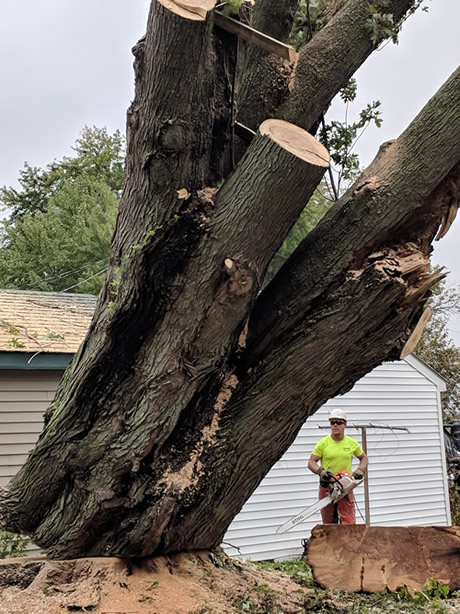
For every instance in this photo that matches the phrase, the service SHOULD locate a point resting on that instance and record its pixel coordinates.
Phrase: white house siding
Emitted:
(407, 471)
(24, 398)
(406, 474)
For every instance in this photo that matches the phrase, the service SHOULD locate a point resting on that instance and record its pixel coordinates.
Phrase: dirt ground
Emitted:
(189, 583)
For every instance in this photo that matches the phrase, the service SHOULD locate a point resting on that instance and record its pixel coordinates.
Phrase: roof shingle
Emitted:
(44, 321)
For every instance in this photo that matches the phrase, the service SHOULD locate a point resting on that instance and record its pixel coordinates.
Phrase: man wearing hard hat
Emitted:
(336, 451)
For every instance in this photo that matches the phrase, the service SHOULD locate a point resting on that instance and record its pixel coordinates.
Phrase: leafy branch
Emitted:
(340, 137)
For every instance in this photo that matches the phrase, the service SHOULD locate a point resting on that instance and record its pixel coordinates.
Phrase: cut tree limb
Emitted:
(287, 52)
(346, 43)
(194, 13)
(357, 558)
(197, 7)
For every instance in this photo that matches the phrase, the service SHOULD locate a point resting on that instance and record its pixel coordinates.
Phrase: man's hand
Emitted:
(325, 478)
(358, 474)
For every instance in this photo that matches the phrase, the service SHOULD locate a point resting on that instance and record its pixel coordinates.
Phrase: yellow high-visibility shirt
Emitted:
(337, 455)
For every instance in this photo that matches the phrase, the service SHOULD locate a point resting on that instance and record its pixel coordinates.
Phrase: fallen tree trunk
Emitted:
(357, 558)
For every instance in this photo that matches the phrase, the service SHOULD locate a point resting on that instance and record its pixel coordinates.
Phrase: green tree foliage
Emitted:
(310, 17)
(61, 221)
(340, 137)
(12, 545)
(310, 216)
(97, 155)
(438, 350)
(68, 243)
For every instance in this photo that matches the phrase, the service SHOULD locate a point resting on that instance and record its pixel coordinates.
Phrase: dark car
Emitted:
(452, 445)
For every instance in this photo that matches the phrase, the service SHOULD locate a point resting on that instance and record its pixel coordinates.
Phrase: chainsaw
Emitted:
(341, 484)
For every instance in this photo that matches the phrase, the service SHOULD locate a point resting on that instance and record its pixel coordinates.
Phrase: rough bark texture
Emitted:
(374, 559)
(325, 65)
(263, 78)
(390, 206)
(175, 407)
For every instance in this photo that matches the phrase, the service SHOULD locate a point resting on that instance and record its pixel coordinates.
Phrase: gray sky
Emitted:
(66, 64)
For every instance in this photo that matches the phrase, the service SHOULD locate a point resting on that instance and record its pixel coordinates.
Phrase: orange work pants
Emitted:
(345, 509)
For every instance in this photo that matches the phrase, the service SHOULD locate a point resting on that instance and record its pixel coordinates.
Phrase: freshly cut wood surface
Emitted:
(188, 9)
(296, 140)
(356, 558)
(200, 7)
(417, 333)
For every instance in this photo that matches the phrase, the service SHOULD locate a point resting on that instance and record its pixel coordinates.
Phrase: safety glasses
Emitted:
(336, 422)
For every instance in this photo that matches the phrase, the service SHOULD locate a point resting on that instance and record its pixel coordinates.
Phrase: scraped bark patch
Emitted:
(190, 473)
(357, 558)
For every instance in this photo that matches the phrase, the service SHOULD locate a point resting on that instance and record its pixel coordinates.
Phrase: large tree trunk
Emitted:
(176, 406)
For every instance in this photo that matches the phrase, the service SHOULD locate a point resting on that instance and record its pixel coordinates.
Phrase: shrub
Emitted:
(12, 545)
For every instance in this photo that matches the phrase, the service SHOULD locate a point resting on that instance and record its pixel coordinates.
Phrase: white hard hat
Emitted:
(339, 414)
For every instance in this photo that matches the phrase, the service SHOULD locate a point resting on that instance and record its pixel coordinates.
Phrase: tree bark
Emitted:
(389, 206)
(301, 93)
(174, 409)
(248, 220)
(262, 77)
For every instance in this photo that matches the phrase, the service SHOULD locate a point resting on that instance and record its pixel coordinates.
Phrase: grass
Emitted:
(12, 545)
(434, 598)
(298, 571)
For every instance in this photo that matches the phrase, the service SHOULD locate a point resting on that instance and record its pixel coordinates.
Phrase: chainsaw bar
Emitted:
(316, 507)
(340, 488)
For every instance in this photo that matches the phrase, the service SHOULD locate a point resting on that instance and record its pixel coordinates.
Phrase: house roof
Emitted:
(427, 371)
(56, 323)
(50, 322)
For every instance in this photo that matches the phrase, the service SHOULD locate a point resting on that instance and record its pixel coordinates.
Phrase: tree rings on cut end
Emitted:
(196, 10)
(296, 140)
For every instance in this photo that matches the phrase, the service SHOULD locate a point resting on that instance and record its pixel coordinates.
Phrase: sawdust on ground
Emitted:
(187, 583)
